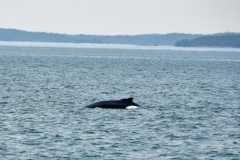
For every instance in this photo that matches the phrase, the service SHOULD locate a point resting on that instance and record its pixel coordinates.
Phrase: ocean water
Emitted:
(190, 103)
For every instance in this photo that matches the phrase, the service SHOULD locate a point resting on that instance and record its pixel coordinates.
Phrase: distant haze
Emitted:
(121, 16)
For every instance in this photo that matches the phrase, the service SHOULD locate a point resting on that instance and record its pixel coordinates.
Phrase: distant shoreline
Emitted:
(110, 46)
(218, 40)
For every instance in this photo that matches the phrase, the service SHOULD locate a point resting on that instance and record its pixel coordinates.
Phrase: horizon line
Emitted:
(117, 34)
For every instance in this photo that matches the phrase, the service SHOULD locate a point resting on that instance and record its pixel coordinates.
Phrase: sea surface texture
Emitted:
(190, 104)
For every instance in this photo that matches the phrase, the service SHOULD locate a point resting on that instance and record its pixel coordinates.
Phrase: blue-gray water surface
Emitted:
(190, 104)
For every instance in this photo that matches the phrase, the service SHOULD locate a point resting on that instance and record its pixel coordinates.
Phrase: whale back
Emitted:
(115, 104)
(127, 100)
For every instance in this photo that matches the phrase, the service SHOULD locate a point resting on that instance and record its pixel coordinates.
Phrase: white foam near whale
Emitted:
(131, 107)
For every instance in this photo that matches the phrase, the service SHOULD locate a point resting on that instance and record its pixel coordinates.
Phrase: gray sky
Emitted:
(121, 16)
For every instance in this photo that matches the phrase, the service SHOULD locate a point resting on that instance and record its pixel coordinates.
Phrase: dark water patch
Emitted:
(3, 103)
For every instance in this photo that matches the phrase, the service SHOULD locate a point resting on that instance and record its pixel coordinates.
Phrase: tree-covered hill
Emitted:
(215, 40)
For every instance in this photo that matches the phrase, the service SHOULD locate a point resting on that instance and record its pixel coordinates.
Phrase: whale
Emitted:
(126, 103)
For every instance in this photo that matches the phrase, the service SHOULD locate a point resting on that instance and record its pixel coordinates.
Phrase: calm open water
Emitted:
(190, 104)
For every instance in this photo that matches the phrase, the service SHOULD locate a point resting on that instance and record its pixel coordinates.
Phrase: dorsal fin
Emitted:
(127, 99)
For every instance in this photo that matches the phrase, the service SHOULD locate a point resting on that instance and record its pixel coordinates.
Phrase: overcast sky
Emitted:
(121, 16)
